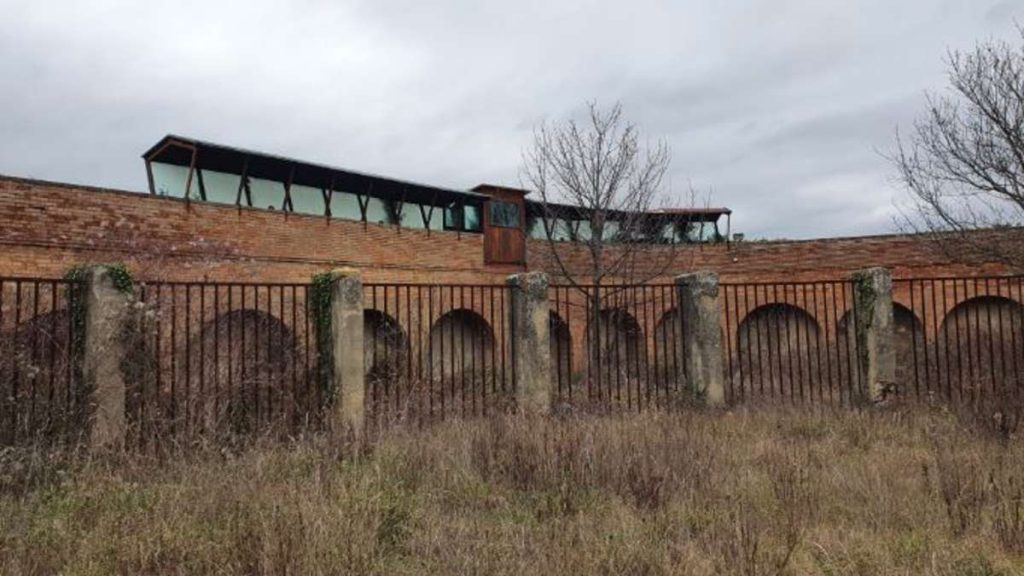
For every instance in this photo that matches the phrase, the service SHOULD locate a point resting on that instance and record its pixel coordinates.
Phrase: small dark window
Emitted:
(464, 217)
(504, 214)
(453, 217)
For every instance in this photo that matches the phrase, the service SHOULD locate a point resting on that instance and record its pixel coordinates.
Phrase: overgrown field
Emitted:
(765, 491)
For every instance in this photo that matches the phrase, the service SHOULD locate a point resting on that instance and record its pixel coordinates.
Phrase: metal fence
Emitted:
(40, 396)
(790, 341)
(961, 339)
(614, 346)
(245, 358)
(223, 357)
(433, 351)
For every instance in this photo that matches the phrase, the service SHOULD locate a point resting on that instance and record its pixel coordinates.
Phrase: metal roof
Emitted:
(569, 211)
(179, 150)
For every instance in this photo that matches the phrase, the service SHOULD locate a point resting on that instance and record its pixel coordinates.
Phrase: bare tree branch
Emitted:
(963, 163)
(610, 181)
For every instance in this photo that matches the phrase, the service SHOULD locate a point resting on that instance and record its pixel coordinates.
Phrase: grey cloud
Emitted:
(777, 106)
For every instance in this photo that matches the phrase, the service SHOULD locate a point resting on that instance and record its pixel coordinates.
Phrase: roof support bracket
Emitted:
(243, 183)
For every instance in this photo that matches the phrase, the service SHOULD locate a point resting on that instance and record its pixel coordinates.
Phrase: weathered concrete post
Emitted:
(876, 355)
(106, 311)
(700, 349)
(531, 351)
(348, 372)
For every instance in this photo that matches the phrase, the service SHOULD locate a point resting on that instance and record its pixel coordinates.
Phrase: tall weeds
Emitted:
(771, 491)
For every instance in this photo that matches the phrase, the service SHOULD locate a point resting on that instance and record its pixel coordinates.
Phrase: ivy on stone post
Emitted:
(873, 333)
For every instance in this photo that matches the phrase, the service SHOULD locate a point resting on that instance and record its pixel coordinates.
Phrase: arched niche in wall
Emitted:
(777, 351)
(982, 341)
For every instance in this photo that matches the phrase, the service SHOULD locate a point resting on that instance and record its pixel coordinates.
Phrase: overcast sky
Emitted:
(779, 107)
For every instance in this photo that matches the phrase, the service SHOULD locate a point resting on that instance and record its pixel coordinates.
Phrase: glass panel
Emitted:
(560, 230)
(670, 234)
(453, 217)
(376, 212)
(583, 233)
(536, 228)
(710, 232)
(412, 217)
(693, 231)
(169, 180)
(221, 187)
(472, 219)
(266, 194)
(437, 218)
(504, 214)
(610, 232)
(307, 200)
(345, 206)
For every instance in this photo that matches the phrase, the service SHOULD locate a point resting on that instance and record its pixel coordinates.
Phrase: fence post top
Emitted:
(876, 275)
(704, 278)
(872, 271)
(347, 273)
(529, 282)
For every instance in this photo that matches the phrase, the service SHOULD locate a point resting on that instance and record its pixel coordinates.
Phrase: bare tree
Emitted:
(599, 176)
(964, 160)
(598, 185)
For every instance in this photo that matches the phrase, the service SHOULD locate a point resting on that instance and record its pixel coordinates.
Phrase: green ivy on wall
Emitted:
(321, 296)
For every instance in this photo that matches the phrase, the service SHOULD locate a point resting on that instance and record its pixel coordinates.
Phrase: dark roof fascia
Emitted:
(222, 158)
(534, 208)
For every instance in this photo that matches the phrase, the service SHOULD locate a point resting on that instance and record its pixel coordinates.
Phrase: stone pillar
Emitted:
(873, 332)
(348, 374)
(107, 313)
(701, 347)
(531, 341)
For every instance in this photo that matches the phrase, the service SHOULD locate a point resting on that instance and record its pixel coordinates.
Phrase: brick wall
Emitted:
(823, 259)
(47, 227)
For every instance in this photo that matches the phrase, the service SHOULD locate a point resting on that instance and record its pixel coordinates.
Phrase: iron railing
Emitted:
(433, 351)
(961, 339)
(244, 357)
(614, 345)
(224, 357)
(40, 395)
(790, 341)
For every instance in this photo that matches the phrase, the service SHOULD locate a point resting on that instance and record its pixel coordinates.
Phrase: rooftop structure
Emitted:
(201, 171)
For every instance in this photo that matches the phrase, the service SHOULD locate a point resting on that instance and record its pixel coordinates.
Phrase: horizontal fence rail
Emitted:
(40, 393)
(615, 346)
(790, 341)
(961, 339)
(223, 357)
(433, 351)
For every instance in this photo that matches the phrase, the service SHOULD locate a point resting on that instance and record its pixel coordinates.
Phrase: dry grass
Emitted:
(771, 491)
